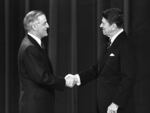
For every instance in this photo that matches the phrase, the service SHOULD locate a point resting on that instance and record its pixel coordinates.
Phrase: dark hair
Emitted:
(114, 15)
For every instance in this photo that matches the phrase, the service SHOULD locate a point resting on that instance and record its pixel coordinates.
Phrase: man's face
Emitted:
(106, 27)
(42, 26)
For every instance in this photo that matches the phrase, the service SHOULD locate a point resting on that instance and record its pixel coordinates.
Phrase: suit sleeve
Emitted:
(89, 74)
(127, 62)
(38, 70)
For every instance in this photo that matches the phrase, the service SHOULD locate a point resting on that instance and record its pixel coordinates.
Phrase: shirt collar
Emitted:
(35, 38)
(115, 36)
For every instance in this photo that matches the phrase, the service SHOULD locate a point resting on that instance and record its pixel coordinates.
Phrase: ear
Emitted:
(34, 26)
(114, 26)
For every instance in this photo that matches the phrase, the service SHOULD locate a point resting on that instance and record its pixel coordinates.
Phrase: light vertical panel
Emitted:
(99, 35)
(74, 52)
(52, 46)
(126, 15)
(73, 37)
(6, 56)
(27, 6)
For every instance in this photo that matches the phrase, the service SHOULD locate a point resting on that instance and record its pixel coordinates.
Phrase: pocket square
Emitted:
(112, 54)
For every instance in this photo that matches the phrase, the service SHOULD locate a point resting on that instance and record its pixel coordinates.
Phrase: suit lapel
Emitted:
(114, 46)
(117, 41)
(34, 42)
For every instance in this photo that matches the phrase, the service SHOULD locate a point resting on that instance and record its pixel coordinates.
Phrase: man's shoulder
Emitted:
(25, 43)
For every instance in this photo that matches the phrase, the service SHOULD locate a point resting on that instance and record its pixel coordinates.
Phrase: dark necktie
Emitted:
(108, 44)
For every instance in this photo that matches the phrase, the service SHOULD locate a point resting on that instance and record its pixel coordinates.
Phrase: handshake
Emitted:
(72, 80)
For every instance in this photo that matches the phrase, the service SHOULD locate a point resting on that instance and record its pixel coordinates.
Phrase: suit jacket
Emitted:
(115, 75)
(37, 81)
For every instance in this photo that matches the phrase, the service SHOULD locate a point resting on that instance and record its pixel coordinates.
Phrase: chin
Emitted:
(45, 34)
(104, 33)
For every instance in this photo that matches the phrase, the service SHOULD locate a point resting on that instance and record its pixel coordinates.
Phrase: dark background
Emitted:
(74, 43)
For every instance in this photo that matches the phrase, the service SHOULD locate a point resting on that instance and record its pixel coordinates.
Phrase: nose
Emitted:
(47, 25)
(100, 25)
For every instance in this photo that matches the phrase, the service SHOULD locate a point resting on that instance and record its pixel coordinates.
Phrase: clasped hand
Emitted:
(71, 80)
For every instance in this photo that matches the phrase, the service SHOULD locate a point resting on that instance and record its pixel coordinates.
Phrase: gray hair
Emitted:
(30, 18)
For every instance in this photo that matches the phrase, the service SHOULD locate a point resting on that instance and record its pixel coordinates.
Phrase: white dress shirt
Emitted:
(35, 38)
(115, 36)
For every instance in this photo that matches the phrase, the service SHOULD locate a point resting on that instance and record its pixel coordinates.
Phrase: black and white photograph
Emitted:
(75, 56)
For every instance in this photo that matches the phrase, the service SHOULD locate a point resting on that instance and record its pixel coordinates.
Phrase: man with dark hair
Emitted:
(116, 72)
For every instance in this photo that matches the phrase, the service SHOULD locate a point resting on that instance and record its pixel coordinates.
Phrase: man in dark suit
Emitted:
(116, 72)
(37, 81)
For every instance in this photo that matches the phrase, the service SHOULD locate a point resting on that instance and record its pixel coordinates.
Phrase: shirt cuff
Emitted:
(78, 79)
